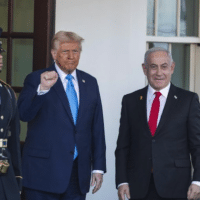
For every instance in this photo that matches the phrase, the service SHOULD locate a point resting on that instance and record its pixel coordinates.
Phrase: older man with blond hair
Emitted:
(65, 137)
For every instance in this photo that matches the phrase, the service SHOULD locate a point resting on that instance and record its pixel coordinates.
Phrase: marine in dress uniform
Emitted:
(10, 157)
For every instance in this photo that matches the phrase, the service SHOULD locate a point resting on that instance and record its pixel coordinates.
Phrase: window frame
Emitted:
(44, 29)
(193, 41)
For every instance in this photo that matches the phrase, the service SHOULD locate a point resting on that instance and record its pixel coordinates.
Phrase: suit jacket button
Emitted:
(2, 117)
(1, 130)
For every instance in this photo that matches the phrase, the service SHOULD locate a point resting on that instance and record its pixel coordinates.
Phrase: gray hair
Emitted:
(155, 49)
(63, 37)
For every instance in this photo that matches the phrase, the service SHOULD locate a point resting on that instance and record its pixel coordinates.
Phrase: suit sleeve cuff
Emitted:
(98, 171)
(196, 183)
(122, 184)
(41, 92)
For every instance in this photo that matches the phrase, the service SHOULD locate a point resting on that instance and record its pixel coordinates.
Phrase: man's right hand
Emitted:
(48, 79)
(122, 191)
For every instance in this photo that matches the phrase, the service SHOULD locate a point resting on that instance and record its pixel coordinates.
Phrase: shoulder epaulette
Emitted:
(4, 83)
(8, 86)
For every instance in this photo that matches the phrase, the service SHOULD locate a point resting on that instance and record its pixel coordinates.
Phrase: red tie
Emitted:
(153, 118)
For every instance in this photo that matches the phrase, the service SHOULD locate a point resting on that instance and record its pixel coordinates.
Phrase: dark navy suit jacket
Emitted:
(49, 147)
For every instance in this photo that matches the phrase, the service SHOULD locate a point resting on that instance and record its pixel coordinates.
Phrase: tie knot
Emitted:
(158, 94)
(69, 77)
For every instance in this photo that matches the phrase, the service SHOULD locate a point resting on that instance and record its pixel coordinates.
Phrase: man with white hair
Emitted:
(159, 130)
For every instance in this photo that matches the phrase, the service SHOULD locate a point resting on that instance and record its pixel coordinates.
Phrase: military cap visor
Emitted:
(1, 49)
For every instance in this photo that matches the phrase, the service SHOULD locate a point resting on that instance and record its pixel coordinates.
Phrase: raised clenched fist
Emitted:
(48, 79)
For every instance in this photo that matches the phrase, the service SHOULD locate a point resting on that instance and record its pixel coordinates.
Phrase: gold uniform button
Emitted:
(1, 129)
(2, 117)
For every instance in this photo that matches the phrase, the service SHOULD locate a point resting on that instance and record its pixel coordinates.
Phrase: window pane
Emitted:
(4, 70)
(189, 18)
(150, 17)
(22, 60)
(23, 15)
(23, 127)
(23, 130)
(4, 15)
(158, 44)
(167, 18)
(181, 56)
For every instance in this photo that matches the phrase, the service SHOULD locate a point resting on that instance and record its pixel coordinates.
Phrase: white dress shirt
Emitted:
(150, 97)
(64, 81)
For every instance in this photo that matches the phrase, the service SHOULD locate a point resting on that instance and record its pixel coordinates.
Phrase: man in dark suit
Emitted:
(159, 130)
(10, 156)
(65, 137)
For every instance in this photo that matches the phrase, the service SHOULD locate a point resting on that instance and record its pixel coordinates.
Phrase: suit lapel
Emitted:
(170, 104)
(82, 94)
(142, 102)
(58, 87)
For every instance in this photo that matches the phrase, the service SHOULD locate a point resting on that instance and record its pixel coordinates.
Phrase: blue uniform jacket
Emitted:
(10, 183)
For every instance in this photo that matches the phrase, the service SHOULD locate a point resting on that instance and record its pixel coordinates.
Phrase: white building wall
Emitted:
(113, 50)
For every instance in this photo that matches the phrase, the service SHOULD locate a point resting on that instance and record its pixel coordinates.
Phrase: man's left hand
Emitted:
(97, 180)
(193, 192)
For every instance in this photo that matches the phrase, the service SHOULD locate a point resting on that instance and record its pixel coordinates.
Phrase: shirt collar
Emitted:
(164, 91)
(63, 75)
